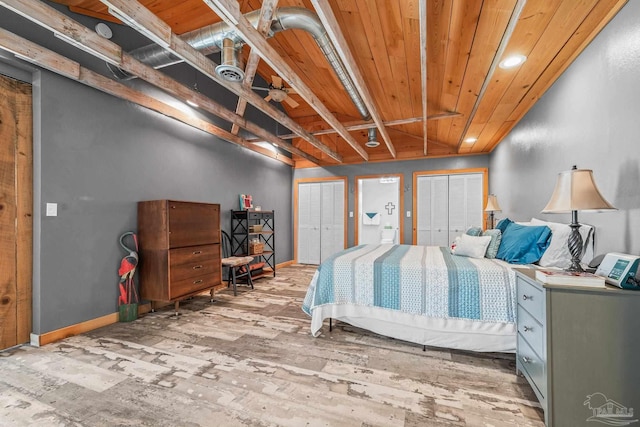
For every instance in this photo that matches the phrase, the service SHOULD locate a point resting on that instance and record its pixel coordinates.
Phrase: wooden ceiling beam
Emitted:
(330, 23)
(230, 12)
(143, 20)
(35, 54)
(360, 125)
(76, 34)
(264, 24)
(422, 11)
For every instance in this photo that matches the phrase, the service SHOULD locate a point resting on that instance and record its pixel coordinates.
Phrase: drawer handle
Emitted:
(197, 252)
(528, 328)
(198, 267)
(525, 359)
(527, 297)
(195, 282)
(173, 206)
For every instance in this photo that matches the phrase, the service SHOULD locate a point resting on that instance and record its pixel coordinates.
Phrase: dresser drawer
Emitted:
(192, 224)
(194, 254)
(533, 367)
(531, 330)
(531, 298)
(192, 285)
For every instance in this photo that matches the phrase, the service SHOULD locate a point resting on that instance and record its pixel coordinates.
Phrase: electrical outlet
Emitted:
(350, 214)
(408, 214)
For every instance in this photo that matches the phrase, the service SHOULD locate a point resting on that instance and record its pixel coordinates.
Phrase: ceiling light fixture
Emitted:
(512, 61)
(470, 140)
(192, 103)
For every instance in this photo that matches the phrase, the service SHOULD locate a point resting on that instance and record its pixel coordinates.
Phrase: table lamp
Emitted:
(492, 206)
(576, 191)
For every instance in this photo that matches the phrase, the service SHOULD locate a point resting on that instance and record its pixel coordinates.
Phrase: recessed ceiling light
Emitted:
(470, 140)
(512, 61)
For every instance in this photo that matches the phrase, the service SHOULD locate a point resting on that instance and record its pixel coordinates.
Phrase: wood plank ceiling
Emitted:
(468, 97)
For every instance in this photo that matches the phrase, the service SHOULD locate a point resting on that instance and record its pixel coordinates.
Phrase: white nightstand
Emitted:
(575, 342)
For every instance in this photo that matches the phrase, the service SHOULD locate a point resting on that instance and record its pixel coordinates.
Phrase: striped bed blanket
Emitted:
(418, 280)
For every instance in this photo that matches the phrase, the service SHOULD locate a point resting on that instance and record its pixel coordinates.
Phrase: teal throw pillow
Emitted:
(522, 244)
(474, 231)
(494, 245)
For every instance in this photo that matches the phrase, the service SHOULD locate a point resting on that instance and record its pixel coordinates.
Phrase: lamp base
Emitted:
(575, 247)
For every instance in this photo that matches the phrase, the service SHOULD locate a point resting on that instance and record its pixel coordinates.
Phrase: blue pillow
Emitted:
(474, 231)
(522, 244)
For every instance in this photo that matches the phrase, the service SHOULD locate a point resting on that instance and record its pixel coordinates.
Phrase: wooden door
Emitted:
(16, 202)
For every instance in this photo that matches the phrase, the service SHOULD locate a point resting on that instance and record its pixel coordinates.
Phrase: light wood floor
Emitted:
(250, 360)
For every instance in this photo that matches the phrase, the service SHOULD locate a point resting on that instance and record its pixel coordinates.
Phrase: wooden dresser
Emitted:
(578, 347)
(179, 249)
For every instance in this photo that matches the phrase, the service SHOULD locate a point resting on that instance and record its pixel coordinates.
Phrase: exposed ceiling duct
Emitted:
(221, 36)
(372, 139)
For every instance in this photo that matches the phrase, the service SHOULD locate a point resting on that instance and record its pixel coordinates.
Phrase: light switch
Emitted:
(408, 214)
(52, 209)
(350, 214)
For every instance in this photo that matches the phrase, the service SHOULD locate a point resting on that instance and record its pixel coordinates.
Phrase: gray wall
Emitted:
(406, 168)
(588, 118)
(97, 156)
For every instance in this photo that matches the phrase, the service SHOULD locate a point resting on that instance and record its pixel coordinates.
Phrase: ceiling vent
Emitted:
(372, 140)
(230, 67)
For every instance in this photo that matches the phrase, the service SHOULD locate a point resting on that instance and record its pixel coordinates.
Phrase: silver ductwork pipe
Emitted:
(372, 138)
(210, 39)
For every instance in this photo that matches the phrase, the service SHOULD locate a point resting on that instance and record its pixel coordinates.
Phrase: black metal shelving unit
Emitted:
(242, 232)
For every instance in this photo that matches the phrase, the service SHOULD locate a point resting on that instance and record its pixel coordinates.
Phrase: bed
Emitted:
(420, 294)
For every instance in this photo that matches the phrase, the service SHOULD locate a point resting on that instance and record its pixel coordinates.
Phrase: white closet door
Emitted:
(309, 203)
(423, 213)
(332, 219)
(440, 211)
(465, 203)
(446, 206)
(457, 206)
(474, 200)
(433, 210)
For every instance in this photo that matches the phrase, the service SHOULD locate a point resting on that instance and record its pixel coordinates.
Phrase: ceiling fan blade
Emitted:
(291, 90)
(291, 102)
(267, 98)
(277, 81)
(266, 89)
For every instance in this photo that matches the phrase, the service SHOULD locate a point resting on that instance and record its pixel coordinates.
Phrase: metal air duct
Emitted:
(372, 140)
(230, 67)
(211, 39)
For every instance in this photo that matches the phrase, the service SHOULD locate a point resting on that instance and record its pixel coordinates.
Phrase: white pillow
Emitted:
(557, 254)
(471, 246)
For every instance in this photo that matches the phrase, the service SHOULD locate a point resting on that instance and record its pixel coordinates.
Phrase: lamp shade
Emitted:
(576, 191)
(492, 204)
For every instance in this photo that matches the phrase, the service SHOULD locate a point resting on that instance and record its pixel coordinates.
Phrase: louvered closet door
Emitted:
(465, 203)
(332, 219)
(433, 210)
(446, 206)
(309, 203)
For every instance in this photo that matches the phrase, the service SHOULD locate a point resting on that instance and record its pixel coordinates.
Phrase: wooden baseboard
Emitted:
(285, 264)
(90, 325)
(80, 328)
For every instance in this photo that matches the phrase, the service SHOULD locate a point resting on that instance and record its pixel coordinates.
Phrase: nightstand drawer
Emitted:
(531, 330)
(532, 366)
(531, 298)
